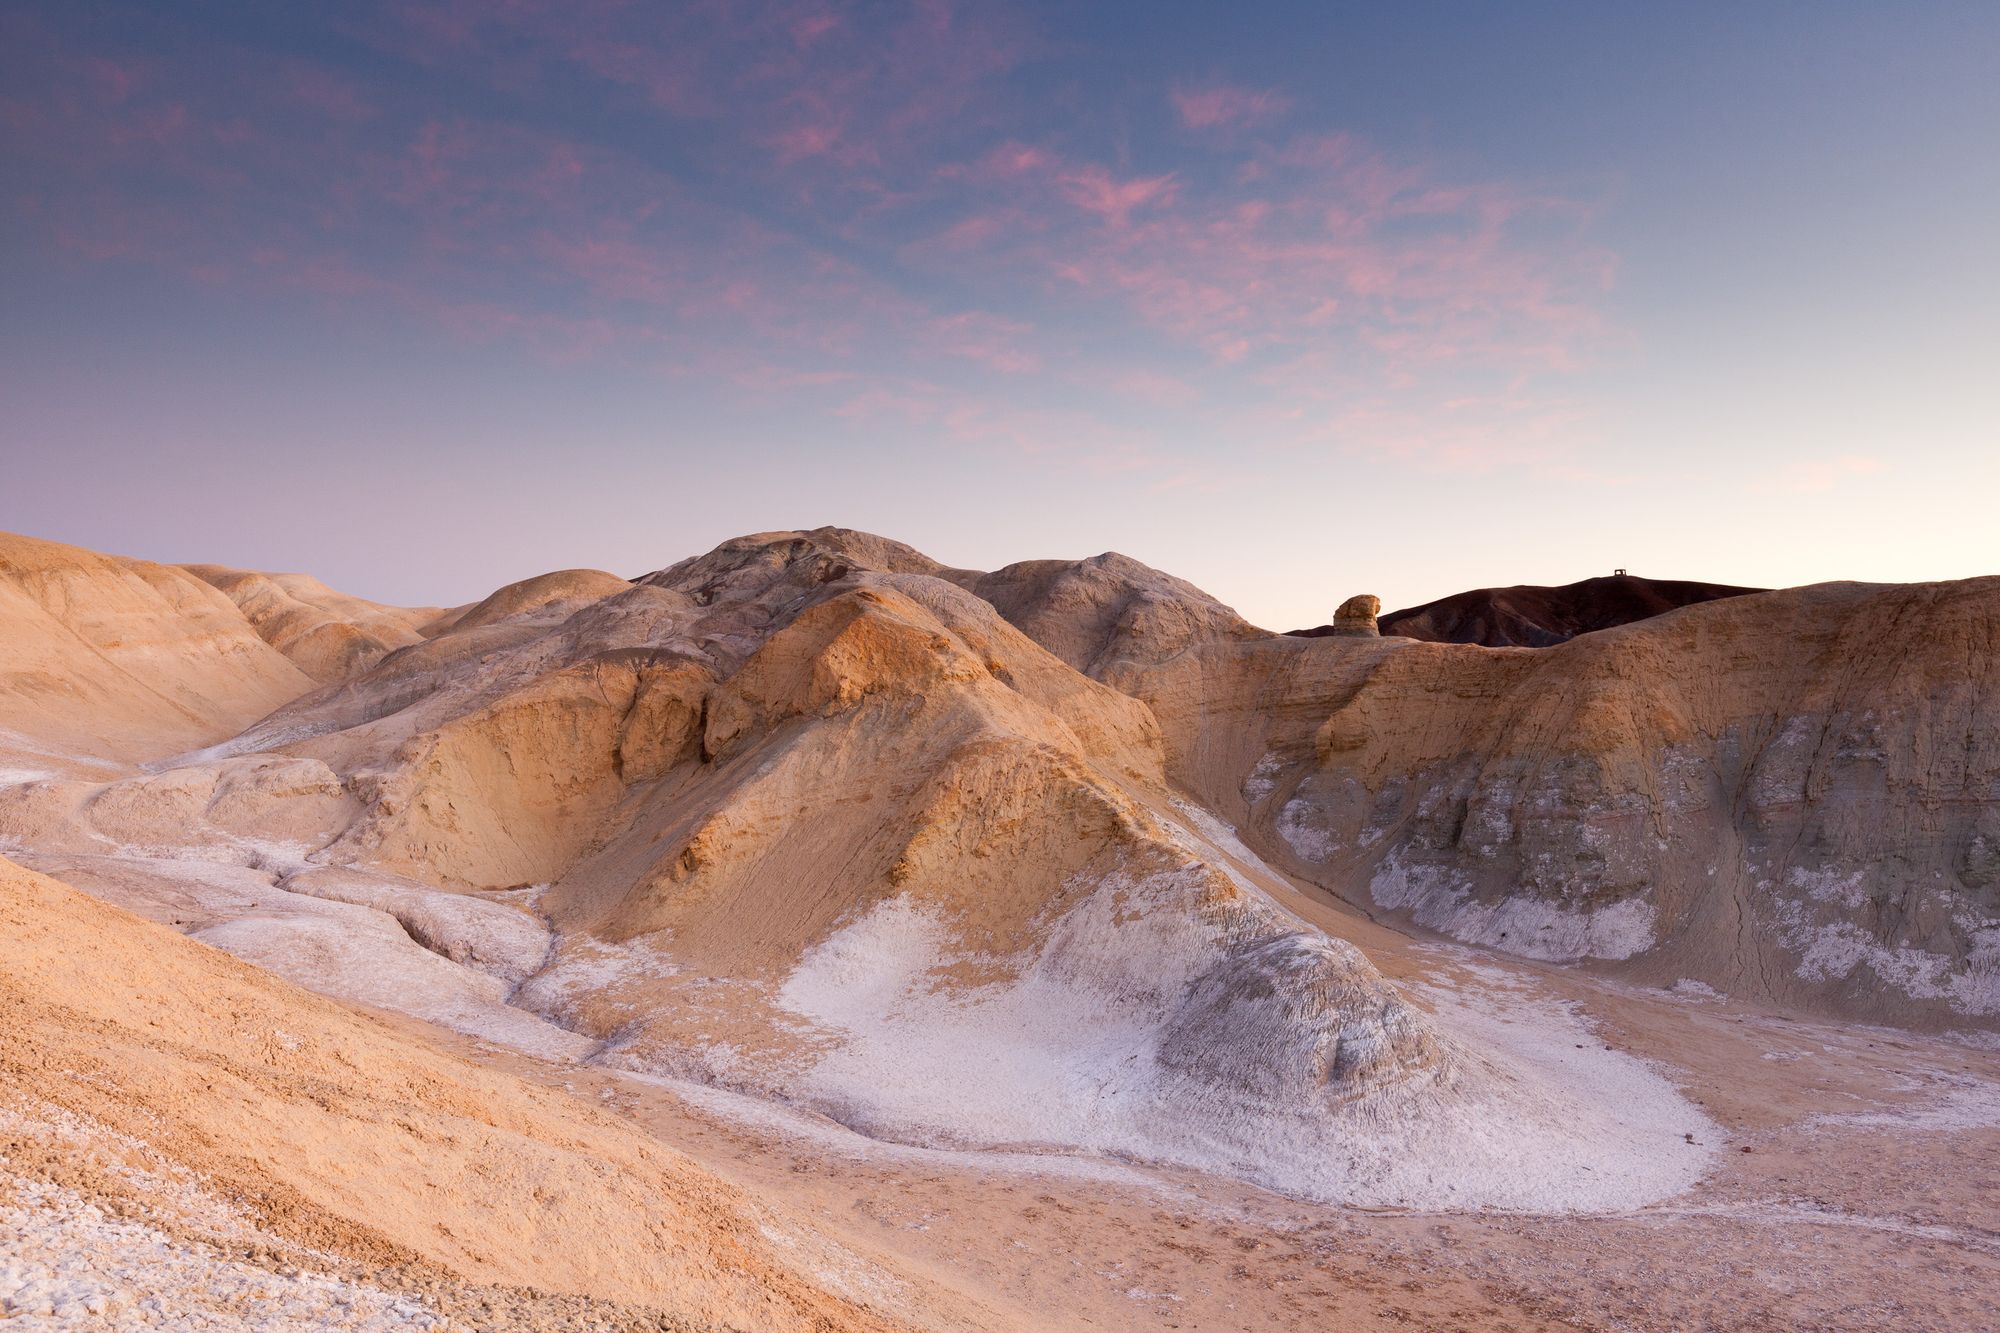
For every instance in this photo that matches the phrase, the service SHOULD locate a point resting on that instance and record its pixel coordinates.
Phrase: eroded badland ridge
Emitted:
(809, 934)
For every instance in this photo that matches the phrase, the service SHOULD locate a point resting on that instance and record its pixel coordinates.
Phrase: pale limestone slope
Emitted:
(1792, 795)
(559, 593)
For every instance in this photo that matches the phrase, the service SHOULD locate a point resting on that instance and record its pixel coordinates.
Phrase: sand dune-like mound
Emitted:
(1529, 616)
(122, 659)
(223, 1112)
(105, 660)
(326, 634)
(1085, 611)
(548, 595)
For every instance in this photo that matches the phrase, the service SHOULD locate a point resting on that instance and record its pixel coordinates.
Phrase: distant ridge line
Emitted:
(1532, 616)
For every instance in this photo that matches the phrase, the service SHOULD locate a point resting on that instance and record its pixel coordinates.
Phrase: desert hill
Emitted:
(1789, 794)
(105, 658)
(1063, 858)
(1530, 616)
(1816, 762)
(326, 634)
(730, 791)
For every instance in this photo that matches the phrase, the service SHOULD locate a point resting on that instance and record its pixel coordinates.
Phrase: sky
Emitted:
(1293, 300)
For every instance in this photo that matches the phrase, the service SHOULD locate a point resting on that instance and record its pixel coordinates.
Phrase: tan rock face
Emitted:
(561, 593)
(1092, 612)
(802, 747)
(1753, 792)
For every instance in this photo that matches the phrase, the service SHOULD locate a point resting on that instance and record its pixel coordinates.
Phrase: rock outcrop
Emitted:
(1355, 618)
(1093, 612)
(1766, 793)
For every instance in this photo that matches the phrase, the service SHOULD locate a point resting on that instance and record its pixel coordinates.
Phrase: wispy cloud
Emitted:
(1218, 104)
(1005, 345)
(857, 204)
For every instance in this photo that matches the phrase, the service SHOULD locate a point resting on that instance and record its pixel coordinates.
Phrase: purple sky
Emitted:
(1294, 301)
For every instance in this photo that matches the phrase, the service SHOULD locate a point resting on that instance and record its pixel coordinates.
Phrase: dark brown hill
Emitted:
(1526, 616)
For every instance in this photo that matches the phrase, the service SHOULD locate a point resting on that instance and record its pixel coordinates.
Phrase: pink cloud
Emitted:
(809, 28)
(1152, 387)
(1004, 345)
(155, 125)
(115, 80)
(322, 275)
(1474, 436)
(972, 233)
(327, 93)
(805, 80)
(1309, 289)
(1096, 190)
(998, 163)
(802, 141)
(106, 239)
(1221, 104)
(616, 267)
(1321, 254)
(764, 378)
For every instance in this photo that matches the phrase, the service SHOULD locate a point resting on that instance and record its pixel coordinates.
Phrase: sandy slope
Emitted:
(327, 1133)
(1876, 1214)
(122, 659)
